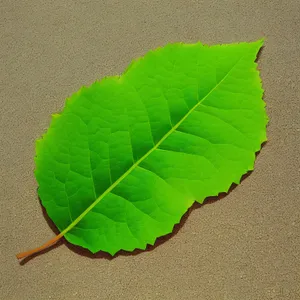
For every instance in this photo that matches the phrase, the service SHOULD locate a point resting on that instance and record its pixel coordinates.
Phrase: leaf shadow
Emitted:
(159, 241)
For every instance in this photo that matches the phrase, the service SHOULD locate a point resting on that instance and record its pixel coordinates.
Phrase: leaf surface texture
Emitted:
(127, 156)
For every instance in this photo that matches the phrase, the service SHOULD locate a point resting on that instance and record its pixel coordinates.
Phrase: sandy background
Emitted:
(245, 246)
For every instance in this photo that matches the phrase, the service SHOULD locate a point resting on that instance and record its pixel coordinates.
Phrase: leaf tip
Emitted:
(260, 42)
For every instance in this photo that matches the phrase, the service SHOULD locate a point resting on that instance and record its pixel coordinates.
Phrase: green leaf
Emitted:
(130, 154)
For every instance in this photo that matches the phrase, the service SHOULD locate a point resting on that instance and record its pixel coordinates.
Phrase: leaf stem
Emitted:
(38, 249)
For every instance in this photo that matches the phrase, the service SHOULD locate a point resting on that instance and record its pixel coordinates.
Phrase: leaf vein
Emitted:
(113, 185)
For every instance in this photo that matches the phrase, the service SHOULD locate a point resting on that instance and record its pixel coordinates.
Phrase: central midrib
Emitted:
(107, 191)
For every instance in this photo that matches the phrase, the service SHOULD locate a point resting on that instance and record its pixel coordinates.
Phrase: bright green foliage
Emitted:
(130, 154)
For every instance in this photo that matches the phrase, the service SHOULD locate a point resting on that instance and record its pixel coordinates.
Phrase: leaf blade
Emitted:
(105, 161)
